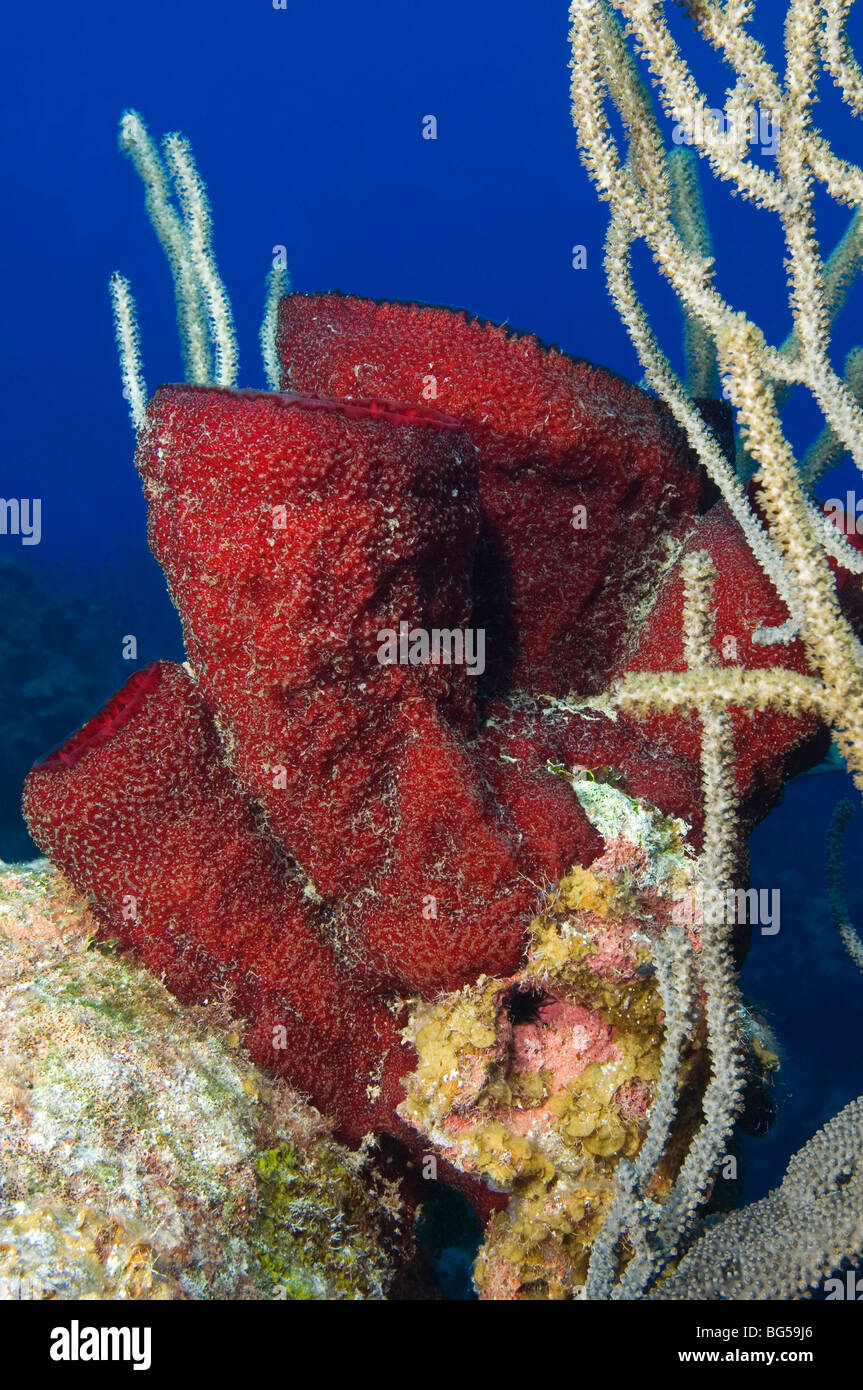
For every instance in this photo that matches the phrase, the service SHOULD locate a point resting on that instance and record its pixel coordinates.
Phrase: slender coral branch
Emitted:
(196, 213)
(278, 284)
(838, 58)
(135, 141)
(655, 1231)
(687, 211)
(661, 376)
(722, 1098)
(129, 346)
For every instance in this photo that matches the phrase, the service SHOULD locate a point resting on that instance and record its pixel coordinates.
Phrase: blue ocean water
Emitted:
(307, 124)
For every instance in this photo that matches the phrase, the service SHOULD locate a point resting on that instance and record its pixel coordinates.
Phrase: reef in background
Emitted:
(55, 668)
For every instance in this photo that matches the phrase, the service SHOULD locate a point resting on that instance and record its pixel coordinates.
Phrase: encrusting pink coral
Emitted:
(317, 828)
(542, 1082)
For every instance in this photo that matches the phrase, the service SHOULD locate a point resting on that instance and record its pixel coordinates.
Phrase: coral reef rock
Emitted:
(542, 1082)
(142, 1155)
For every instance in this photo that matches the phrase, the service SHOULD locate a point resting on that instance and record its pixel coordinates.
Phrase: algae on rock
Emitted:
(142, 1155)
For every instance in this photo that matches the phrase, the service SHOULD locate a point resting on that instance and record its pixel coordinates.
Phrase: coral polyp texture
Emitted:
(338, 822)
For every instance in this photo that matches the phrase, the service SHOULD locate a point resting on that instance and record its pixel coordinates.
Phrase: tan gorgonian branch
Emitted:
(698, 619)
(788, 193)
(632, 1213)
(656, 1230)
(722, 1098)
(806, 271)
(684, 103)
(594, 35)
(646, 146)
(843, 266)
(827, 449)
(832, 540)
(755, 691)
(838, 58)
(724, 27)
(597, 42)
(803, 577)
(841, 269)
(843, 181)
(688, 215)
(663, 379)
(831, 646)
(204, 314)
(795, 540)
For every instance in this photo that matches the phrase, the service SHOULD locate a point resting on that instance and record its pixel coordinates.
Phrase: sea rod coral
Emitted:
(382, 855)
(793, 542)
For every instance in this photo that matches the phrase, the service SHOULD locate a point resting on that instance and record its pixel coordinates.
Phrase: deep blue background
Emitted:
(306, 124)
